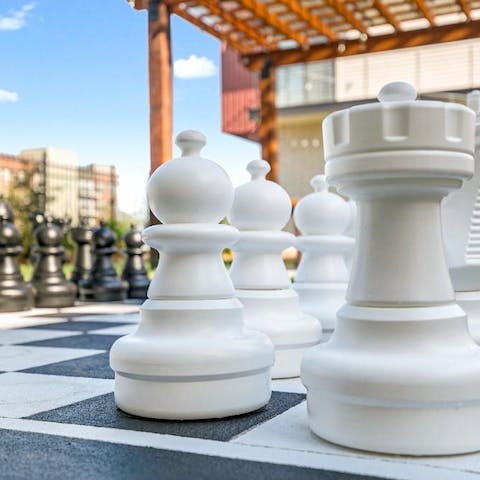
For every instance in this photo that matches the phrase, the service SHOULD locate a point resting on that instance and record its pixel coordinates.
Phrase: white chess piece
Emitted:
(260, 210)
(191, 357)
(401, 373)
(351, 233)
(461, 234)
(322, 276)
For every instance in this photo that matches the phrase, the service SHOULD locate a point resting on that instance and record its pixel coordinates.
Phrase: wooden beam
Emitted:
(341, 8)
(313, 20)
(387, 14)
(160, 83)
(237, 24)
(267, 128)
(426, 12)
(183, 13)
(466, 8)
(381, 43)
(261, 11)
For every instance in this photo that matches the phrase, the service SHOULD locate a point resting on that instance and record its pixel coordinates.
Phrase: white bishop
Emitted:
(191, 357)
(322, 276)
(260, 210)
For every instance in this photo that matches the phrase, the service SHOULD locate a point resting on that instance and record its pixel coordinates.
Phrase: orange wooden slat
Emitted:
(183, 13)
(426, 12)
(403, 39)
(313, 21)
(341, 8)
(237, 24)
(262, 11)
(466, 8)
(386, 14)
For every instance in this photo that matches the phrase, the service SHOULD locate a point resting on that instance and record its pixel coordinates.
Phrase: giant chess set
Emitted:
(367, 366)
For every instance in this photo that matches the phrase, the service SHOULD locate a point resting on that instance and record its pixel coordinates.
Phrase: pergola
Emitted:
(271, 33)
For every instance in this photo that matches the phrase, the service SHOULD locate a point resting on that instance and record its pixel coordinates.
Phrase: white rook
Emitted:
(401, 373)
(191, 356)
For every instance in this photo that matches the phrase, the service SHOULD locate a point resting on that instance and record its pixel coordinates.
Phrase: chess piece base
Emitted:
(396, 380)
(138, 292)
(470, 303)
(112, 292)
(138, 288)
(16, 298)
(322, 301)
(277, 314)
(191, 360)
(56, 295)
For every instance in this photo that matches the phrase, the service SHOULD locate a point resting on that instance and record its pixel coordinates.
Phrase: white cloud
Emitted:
(194, 67)
(6, 96)
(15, 19)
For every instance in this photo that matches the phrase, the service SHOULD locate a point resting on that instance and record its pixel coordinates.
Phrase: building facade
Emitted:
(307, 93)
(64, 188)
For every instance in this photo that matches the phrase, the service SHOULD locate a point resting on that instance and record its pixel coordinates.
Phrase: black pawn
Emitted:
(105, 285)
(134, 271)
(15, 293)
(6, 211)
(82, 236)
(52, 289)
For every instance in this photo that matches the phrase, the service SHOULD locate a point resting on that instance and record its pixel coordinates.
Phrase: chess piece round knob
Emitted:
(322, 212)
(260, 204)
(103, 236)
(133, 238)
(190, 142)
(9, 236)
(397, 92)
(49, 234)
(5, 209)
(180, 190)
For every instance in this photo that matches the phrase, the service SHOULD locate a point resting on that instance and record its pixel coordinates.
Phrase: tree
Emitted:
(26, 197)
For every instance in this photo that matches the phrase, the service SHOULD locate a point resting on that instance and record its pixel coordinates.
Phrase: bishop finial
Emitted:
(258, 169)
(190, 142)
(397, 92)
(319, 184)
(473, 101)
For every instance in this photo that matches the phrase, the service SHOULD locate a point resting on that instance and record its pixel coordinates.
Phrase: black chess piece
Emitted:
(134, 271)
(37, 218)
(52, 289)
(15, 293)
(105, 285)
(65, 223)
(6, 211)
(81, 275)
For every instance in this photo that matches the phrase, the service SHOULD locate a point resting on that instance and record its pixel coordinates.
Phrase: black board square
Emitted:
(93, 366)
(28, 455)
(101, 411)
(91, 341)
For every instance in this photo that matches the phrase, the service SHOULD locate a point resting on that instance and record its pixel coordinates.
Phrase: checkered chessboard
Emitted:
(58, 418)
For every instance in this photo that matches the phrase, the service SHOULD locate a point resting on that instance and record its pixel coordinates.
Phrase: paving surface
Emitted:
(58, 418)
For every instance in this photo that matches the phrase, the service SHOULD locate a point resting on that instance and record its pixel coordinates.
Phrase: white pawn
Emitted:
(191, 357)
(260, 210)
(401, 373)
(322, 276)
(461, 234)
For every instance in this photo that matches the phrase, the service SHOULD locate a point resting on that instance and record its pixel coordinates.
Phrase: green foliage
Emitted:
(25, 200)
(120, 228)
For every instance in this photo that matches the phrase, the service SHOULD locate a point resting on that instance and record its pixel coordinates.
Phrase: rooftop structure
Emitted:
(274, 33)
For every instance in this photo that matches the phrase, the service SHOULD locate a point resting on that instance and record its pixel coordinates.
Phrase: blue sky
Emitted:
(73, 74)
